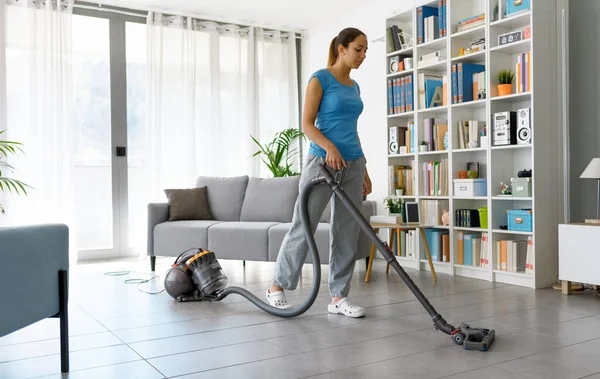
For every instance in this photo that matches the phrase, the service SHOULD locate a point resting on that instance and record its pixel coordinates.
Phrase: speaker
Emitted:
(393, 145)
(523, 127)
(505, 128)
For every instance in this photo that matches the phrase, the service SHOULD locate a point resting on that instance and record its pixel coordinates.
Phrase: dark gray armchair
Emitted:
(34, 264)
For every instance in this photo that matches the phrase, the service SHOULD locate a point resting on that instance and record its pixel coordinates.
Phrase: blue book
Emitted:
(465, 80)
(430, 86)
(422, 14)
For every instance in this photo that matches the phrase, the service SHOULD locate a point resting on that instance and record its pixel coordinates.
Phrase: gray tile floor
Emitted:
(119, 331)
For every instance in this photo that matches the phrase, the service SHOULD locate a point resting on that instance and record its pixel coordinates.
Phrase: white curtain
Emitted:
(210, 87)
(39, 111)
(277, 86)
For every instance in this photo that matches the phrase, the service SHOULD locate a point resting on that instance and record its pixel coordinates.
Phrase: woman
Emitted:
(331, 111)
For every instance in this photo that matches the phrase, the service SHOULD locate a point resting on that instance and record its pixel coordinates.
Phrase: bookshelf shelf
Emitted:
(482, 103)
(407, 51)
(514, 98)
(502, 231)
(401, 73)
(442, 109)
(402, 114)
(511, 147)
(473, 150)
(435, 152)
(474, 33)
(476, 57)
(511, 198)
(513, 48)
(458, 120)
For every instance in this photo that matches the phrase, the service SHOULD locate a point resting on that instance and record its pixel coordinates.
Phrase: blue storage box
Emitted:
(520, 221)
(515, 6)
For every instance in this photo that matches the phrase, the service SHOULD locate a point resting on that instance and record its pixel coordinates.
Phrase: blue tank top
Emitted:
(337, 117)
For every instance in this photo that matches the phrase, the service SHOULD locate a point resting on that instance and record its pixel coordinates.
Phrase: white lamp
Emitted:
(592, 171)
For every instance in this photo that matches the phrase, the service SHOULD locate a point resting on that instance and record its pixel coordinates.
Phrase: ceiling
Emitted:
(278, 14)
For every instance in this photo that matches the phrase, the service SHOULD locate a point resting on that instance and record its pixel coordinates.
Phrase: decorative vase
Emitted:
(423, 148)
(504, 89)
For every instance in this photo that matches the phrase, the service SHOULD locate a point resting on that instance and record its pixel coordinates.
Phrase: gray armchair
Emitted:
(34, 264)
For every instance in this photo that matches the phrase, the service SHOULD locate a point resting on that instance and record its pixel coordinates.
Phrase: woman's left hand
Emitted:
(367, 186)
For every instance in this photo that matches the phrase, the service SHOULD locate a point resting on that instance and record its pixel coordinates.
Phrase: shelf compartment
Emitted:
(436, 44)
(516, 21)
(440, 66)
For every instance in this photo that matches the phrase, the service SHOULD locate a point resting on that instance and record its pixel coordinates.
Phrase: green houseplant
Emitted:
(6, 183)
(505, 80)
(277, 153)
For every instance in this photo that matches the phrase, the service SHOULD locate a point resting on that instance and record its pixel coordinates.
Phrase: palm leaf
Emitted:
(276, 153)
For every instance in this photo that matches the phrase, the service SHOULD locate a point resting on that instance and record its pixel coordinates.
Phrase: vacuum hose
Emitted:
(326, 177)
(310, 239)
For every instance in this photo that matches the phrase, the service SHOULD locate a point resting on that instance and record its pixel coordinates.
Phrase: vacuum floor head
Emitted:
(474, 338)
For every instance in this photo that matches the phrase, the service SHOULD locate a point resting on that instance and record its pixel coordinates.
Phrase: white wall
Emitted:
(372, 124)
(584, 136)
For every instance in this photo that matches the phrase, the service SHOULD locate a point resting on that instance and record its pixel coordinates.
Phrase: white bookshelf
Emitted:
(497, 163)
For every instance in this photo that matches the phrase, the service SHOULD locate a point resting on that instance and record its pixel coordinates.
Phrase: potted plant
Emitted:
(276, 154)
(394, 205)
(423, 146)
(505, 80)
(9, 184)
(399, 191)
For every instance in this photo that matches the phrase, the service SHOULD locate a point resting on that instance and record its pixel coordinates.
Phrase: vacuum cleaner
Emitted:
(196, 274)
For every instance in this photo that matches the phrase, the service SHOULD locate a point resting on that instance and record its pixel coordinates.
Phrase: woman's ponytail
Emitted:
(343, 38)
(332, 52)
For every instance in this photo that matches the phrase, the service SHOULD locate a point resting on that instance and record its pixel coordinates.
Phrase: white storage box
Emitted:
(470, 187)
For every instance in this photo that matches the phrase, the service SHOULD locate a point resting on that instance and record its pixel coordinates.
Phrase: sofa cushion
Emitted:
(240, 240)
(173, 237)
(277, 233)
(270, 199)
(188, 204)
(225, 195)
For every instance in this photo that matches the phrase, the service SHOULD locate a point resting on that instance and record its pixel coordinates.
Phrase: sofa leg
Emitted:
(63, 310)
(367, 262)
(244, 263)
(152, 263)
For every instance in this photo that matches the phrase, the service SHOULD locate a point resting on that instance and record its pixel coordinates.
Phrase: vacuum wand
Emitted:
(478, 338)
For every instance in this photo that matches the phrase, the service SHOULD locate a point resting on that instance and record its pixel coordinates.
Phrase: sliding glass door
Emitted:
(109, 99)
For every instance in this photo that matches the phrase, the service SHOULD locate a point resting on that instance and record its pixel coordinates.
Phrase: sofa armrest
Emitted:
(30, 258)
(157, 213)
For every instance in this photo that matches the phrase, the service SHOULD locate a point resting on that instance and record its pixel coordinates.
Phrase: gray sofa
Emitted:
(250, 219)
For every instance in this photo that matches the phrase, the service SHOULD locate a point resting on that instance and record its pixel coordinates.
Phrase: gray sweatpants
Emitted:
(343, 235)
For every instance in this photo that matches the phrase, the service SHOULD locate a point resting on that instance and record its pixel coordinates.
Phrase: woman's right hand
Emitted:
(334, 159)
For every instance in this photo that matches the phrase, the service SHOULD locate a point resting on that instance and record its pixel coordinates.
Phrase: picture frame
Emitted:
(412, 212)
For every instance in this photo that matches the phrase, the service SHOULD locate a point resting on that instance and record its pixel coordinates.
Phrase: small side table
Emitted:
(398, 228)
